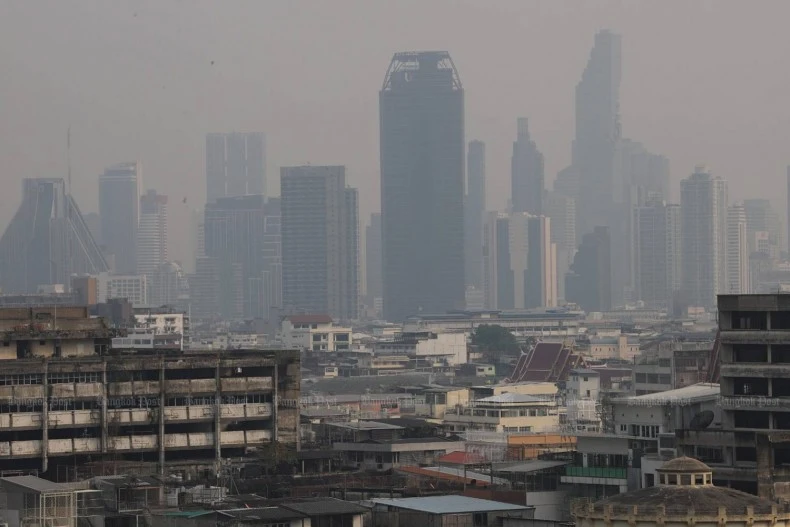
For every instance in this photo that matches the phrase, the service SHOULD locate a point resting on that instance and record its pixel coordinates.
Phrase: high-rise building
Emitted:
(272, 258)
(657, 253)
(521, 267)
(588, 283)
(526, 172)
(498, 284)
(375, 288)
(561, 209)
(216, 289)
(474, 211)
(234, 236)
(762, 218)
(703, 203)
(119, 208)
(93, 221)
(47, 240)
(152, 234)
(738, 277)
(421, 107)
(319, 242)
(169, 287)
(788, 207)
(235, 165)
(598, 132)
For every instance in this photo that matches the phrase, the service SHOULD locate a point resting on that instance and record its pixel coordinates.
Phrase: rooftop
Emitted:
(309, 319)
(696, 392)
(448, 504)
(366, 425)
(511, 398)
(35, 484)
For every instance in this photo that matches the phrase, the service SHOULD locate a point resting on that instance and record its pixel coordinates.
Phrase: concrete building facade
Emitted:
(119, 209)
(235, 165)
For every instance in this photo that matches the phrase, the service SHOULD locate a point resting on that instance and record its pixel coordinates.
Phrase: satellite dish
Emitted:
(702, 420)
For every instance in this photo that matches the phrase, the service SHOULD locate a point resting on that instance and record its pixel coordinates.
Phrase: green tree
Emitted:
(495, 339)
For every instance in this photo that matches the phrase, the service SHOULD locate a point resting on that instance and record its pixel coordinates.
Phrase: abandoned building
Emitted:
(67, 398)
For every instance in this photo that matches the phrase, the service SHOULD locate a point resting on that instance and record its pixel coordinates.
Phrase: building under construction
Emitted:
(68, 399)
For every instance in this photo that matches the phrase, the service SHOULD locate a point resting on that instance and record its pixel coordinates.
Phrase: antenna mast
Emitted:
(68, 159)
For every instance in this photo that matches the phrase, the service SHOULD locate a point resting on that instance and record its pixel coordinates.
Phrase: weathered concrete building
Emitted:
(751, 449)
(67, 398)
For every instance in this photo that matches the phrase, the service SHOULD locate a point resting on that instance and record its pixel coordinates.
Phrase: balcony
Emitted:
(596, 472)
(246, 384)
(133, 388)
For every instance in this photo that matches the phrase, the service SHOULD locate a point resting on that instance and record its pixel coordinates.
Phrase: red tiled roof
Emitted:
(309, 319)
(461, 458)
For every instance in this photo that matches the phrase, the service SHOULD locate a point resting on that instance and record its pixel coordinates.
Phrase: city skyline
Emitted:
(164, 122)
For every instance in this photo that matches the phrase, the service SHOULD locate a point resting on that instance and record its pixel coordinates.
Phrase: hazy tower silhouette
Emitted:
(474, 210)
(421, 107)
(235, 165)
(526, 172)
(119, 210)
(703, 209)
(598, 131)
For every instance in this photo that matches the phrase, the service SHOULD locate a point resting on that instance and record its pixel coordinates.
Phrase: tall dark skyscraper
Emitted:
(47, 240)
(235, 165)
(588, 283)
(526, 172)
(119, 212)
(474, 211)
(421, 106)
(598, 132)
(319, 242)
(373, 263)
(235, 234)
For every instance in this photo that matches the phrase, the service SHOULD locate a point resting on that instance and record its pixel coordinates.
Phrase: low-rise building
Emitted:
(441, 511)
(314, 332)
(507, 412)
(624, 347)
(427, 348)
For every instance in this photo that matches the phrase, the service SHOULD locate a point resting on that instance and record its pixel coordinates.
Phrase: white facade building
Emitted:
(134, 288)
(173, 324)
(315, 332)
(152, 233)
(435, 348)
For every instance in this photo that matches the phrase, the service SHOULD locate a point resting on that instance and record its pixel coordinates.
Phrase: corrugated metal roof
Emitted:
(35, 484)
(532, 466)
(448, 504)
(510, 397)
(324, 506)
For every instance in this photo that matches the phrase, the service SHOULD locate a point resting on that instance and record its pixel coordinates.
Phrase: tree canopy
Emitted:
(494, 338)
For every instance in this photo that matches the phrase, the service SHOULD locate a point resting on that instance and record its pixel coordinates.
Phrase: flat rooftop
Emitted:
(449, 505)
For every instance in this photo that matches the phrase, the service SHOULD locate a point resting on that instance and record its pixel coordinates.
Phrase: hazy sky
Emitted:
(703, 81)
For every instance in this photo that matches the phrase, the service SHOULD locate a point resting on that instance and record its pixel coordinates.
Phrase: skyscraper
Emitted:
(421, 107)
(703, 203)
(474, 211)
(319, 242)
(235, 165)
(657, 253)
(561, 209)
(588, 283)
(373, 260)
(520, 262)
(47, 240)
(762, 218)
(738, 278)
(498, 283)
(526, 172)
(272, 258)
(152, 234)
(234, 236)
(119, 207)
(598, 131)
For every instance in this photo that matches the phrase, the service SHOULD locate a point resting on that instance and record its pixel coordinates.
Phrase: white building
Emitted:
(562, 211)
(314, 332)
(172, 324)
(738, 279)
(506, 412)
(436, 349)
(703, 204)
(134, 288)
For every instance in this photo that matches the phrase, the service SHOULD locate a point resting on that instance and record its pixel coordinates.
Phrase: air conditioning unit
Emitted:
(666, 446)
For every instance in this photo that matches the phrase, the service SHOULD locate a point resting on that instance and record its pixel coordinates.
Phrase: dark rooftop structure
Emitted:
(546, 362)
(685, 489)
